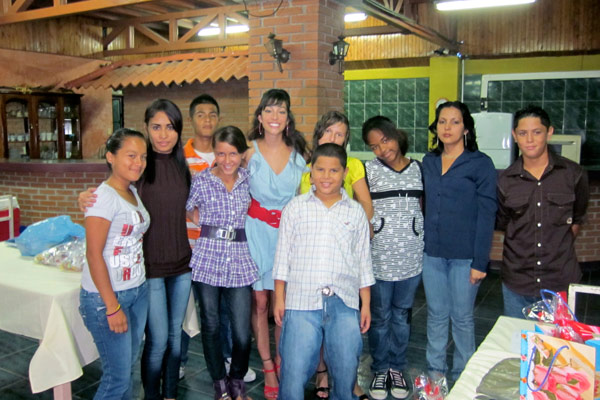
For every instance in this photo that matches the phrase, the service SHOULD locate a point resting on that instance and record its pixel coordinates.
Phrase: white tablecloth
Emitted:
(42, 302)
(502, 342)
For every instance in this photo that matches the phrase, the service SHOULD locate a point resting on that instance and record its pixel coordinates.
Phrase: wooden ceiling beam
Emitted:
(176, 47)
(375, 30)
(64, 10)
(390, 17)
(202, 12)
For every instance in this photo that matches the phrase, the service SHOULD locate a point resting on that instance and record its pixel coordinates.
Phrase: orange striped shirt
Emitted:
(195, 164)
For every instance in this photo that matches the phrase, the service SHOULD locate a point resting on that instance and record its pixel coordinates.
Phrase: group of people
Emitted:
(267, 232)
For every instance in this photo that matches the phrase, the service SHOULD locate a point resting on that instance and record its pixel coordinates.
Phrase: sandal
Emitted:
(270, 392)
(323, 390)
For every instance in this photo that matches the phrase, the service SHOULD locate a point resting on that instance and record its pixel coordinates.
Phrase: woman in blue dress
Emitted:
(276, 163)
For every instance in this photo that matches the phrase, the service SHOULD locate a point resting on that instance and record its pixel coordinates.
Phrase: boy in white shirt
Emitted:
(322, 265)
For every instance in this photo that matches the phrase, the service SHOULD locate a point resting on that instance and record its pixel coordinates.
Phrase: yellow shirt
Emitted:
(356, 172)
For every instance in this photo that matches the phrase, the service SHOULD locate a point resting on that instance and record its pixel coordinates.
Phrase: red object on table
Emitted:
(4, 225)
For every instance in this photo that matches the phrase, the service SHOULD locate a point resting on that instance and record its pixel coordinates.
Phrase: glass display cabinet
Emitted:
(41, 125)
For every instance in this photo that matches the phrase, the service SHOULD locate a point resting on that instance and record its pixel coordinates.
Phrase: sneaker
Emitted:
(398, 387)
(181, 371)
(250, 374)
(378, 389)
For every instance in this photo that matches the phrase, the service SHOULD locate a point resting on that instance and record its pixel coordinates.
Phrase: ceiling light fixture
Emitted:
(215, 30)
(355, 17)
(452, 5)
(275, 48)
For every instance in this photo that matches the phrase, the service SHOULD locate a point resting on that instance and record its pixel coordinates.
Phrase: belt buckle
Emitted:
(327, 291)
(226, 233)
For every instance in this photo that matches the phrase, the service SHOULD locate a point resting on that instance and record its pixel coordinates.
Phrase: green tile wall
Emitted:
(404, 101)
(572, 104)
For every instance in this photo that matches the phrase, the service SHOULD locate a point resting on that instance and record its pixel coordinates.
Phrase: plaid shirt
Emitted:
(217, 262)
(319, 247)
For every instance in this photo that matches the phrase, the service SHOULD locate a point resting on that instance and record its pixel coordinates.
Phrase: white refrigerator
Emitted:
(494, 137)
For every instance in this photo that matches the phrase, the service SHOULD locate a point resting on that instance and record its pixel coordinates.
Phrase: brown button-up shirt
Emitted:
(537, 216)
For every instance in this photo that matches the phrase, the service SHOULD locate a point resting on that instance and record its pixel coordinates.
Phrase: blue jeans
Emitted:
(118, 351)
(514, 302)
(238, 302)
(337, 327)
(391, 311)
(450, 297)
(168, 299)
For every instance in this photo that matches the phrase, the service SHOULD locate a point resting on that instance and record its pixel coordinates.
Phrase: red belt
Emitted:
(271, 217)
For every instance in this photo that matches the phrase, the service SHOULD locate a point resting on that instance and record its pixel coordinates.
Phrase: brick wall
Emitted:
(307, 28)
(232, 97)
(43, 195)
(587, 243)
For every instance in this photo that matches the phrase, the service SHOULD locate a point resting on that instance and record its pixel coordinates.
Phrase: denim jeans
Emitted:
(450, 297)
(225, 335)
(391, 311)
(168, 299)
(238, 304)
(514, 302)
(118, 351)
(336, 326)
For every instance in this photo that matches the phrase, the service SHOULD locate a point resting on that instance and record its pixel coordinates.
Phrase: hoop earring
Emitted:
(259, 130)
(287, 130)
(465, 135)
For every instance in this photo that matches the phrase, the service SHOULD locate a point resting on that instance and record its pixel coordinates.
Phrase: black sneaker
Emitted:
(378, 389)
(399, 388)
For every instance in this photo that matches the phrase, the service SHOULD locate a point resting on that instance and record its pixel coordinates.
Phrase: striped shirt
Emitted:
(218, 262)
(196, 163)
(397, 247)
(322, 247)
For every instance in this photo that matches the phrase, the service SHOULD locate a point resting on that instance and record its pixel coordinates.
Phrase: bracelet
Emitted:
(114, 312)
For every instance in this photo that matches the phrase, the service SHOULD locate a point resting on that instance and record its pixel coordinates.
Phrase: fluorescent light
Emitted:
(469, 4)
(215, 30)
(355, 17)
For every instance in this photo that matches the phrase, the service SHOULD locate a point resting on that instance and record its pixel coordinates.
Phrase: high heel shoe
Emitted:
(271, 392)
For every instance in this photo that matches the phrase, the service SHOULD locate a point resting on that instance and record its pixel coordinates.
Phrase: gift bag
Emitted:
(556, 369)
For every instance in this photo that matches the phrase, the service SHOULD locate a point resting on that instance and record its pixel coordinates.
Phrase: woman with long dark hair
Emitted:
(460, 194)
(276, 163)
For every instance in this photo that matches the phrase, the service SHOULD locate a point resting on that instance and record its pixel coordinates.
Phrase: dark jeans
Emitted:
(238, 302)
(225, 335)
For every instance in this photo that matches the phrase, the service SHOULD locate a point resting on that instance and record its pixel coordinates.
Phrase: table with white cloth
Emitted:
(42, 302)
(503, 341)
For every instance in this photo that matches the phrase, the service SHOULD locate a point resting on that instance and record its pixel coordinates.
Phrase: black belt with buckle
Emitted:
(327, 291)
(229, 233)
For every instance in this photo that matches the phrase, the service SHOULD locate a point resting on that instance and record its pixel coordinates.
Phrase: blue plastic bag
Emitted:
(48, 233)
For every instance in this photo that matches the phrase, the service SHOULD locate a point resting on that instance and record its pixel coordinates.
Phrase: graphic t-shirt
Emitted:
(123, 249)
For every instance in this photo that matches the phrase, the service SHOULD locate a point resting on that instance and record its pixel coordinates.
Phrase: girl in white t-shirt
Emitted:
(114, 297)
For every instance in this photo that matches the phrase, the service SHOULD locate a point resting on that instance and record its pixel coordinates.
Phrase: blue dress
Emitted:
(273, 192)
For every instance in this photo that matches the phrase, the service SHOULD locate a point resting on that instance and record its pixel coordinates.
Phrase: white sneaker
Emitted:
(379, 386)
(250, 374)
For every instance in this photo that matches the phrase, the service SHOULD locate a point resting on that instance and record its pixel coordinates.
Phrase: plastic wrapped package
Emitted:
(48, 233)
(68, 256)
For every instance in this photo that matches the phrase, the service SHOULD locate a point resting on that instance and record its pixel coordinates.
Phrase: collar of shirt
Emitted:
(243, 175)
(343, 201)
(517, 168)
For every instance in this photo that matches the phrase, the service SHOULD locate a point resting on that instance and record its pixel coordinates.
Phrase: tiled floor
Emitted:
(16, 351)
